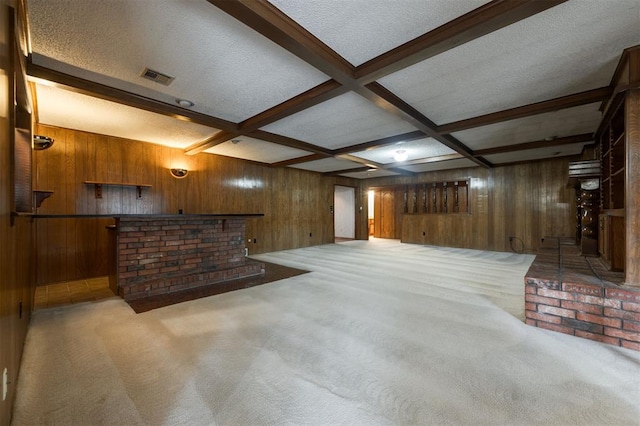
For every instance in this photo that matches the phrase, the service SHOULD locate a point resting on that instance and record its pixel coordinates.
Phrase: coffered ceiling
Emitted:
(335, 86)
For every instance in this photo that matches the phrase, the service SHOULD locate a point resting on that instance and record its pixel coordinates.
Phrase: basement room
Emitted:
(321, 212)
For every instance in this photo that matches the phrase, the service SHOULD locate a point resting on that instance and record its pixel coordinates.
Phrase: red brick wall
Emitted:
(609, 315)
(161, 255)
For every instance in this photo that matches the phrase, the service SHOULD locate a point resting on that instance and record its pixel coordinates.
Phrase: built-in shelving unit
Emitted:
(612, 151)
(98, 186)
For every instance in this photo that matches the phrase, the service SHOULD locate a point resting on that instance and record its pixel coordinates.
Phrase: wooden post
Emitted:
(632, 185)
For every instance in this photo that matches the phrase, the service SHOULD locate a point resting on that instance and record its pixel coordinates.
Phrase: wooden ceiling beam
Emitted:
(570, 101)
(290, 142)
(545, 143)
(385, 99)
(354, 170)
(374, 165)
(314, 96)
(477, 23)
(298, 160)
(97, 90)
(368, 163)
(366, 146)
(268, 20)
(214, 140)
(439, 158)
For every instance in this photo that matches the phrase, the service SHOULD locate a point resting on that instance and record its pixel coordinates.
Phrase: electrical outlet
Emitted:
(5, 382)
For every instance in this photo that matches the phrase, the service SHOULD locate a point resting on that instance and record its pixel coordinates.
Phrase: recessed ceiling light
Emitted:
(400, 155)
(185, 103)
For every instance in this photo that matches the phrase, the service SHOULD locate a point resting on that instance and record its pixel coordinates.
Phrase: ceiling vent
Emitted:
(157, 76)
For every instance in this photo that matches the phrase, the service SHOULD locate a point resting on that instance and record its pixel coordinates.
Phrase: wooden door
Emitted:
(387, 216)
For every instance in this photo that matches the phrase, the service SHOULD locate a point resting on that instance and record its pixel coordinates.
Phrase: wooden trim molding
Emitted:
(577, 99)
(567, 140)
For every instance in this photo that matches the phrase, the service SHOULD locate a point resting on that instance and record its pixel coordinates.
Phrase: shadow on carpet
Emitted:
(273, 272)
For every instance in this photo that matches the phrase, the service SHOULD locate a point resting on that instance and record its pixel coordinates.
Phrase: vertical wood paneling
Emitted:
(632, 182)
(526, 201)
(17, 260)
(295, 202)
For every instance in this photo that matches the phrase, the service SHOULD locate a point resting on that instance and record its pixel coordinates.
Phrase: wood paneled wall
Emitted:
(526, 201)
(296, 203)
(16, 245)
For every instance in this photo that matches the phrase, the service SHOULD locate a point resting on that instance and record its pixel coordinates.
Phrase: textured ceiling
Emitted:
(568, 49)
(561, 123)
(224, 69)
(342, 121)
(422, 148)
(123, 121)
(291, 79)
(256, 150)
(360, 30)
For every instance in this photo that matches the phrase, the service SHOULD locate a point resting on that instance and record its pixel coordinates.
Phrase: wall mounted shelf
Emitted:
(98, 186)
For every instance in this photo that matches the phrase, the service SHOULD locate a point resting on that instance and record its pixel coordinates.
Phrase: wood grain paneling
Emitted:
(632, 182)
(16, 244)
(296, 203)
(526, 201)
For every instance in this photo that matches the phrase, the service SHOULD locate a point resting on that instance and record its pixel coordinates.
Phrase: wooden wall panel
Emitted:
(526, 201)
(16, 244)
(296, 203)
(632, 181)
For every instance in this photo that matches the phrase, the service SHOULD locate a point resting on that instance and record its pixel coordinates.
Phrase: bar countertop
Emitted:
(148, 216)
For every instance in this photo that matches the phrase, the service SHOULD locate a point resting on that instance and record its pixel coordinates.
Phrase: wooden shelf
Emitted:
(611, 245)
(98, 186)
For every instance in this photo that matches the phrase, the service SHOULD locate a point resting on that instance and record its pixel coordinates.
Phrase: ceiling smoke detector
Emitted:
(157, 76)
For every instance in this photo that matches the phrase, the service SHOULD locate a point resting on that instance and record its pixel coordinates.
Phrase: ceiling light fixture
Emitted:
(185, 103)
(400, 155)
(179, 173)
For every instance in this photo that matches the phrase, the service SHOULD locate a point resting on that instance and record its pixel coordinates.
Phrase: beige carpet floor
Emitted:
(378, 333)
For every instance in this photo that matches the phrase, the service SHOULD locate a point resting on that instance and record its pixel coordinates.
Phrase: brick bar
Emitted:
(595, 309)
(157, 256)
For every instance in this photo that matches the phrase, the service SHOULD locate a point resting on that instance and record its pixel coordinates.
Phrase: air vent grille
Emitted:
(157, 76)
